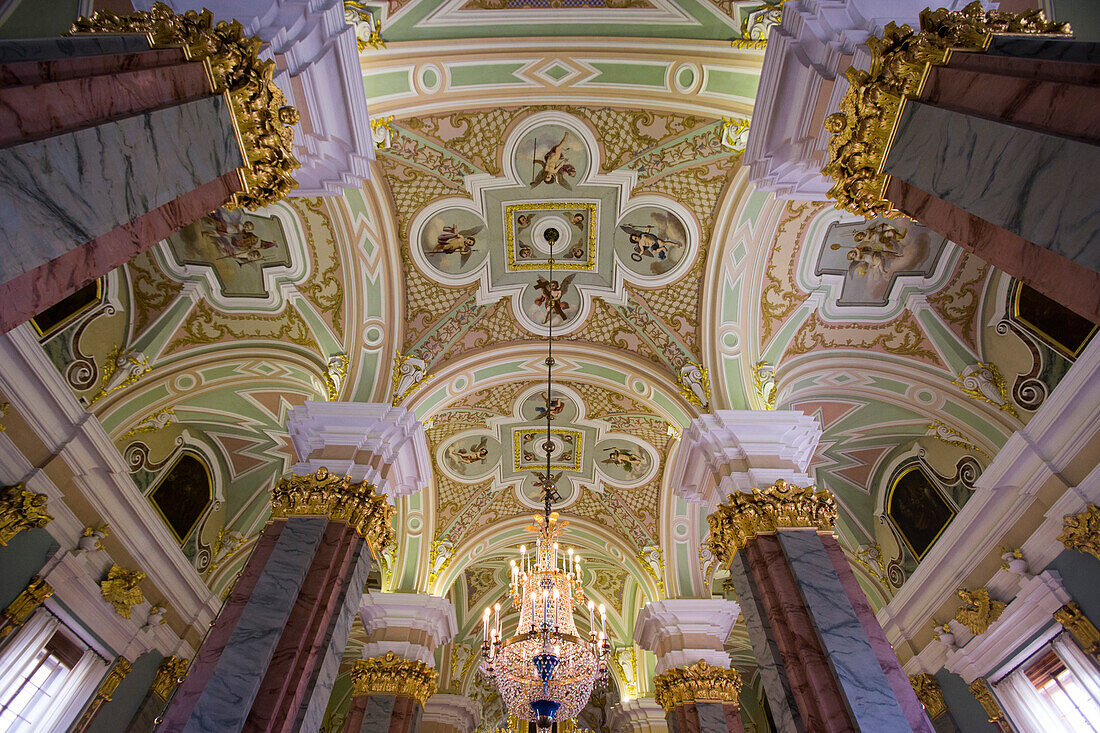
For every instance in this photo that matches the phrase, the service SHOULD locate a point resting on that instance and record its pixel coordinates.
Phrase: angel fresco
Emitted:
(554, 165)
(474, 454)
(454, 241)
(235, 237)
(624, 458)
(877, 248)
(552, 298)
(551, 406)
(648, 243)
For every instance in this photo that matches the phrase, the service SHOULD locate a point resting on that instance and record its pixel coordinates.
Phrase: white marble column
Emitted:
(374, 442)
(736, 450)
(451, 714)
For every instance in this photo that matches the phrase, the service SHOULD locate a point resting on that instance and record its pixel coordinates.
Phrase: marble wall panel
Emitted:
(866, 690)
(377, 714)
(1035, 185)
(1032, 47)
(44, 49)
(227, 697)
(63, 191)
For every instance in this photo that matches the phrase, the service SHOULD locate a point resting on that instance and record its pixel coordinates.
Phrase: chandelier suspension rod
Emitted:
(548, 487)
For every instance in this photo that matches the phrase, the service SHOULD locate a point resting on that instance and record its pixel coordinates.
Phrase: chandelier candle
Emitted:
(546, 671)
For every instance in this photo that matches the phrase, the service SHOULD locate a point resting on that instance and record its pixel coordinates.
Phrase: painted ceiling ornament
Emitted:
(259, 108)
(550, 194)
(699, 682)
(382, 132)
(983, 381)
(694, 384)
(763, 383)
(152, 423)
(744, 515)
(978, 611)
(368, 29)
(949, 435)
(862, 128)
(336, 372)
(1081, 531)
(929, 693)
(757, 23)
(408, 372)
(19, 510)
(122, 589)
(120, 370)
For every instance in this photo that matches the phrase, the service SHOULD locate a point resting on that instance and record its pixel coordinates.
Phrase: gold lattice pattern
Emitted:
(621, 134)
(497, 399)
(698, 188)
(412, 189)
(497, 325)
(482, 133)
(600, 401)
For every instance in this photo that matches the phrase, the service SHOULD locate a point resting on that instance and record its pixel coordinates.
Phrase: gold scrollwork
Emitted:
(260, 114)
(1079, 625)
(341, 500)
(978, 611)
(394, 675)
(122, 589)
(169, 675)
(863, 128)
(980, 690)
(782, 506)
(19, 610)
(19, 510)
(929, 693)
(699, 682)
(117, 673)
(1080, 532)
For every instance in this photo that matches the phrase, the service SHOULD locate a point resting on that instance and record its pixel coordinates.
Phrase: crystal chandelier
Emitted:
(545, 671)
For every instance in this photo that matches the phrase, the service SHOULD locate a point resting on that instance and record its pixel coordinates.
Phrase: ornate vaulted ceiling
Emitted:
(679, 290)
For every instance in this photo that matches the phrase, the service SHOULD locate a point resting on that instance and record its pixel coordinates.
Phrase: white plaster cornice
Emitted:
(640, 715)
(737, 450)
(457, 712)
(339, 430)
(684, 630)
(394, 613)
(37, 391)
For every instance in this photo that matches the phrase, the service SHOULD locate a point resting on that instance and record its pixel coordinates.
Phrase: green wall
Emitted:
(115, 715)
(964, 708)
(40, 19)
(21, 560)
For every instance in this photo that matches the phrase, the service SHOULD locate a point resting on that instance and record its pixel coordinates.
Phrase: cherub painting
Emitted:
(235, 237)
(552, 298)
(626, 459)
(474, 454)
(653, 235)
(455, 241)
(876, 247)
(551, 405)
(554, 165)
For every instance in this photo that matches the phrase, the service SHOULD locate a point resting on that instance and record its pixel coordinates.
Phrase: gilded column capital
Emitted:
(169, 675)
(394, 675)
(782, 506)
(323, 494)
(122, 589)
(979, 610)
(260, 112)
(19, 510)
(980, 690)
(19, 610)
(1079, 625)
(699, 682)
(863, 128)
(1081, 532)
(929, 693)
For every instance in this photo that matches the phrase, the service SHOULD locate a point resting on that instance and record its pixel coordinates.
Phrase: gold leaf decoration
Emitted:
(743, 516)
(1081, 532)
(19, 610)
(929, 693)
(122, 589)
(19, 510)
(978, 611)
(699, 682)
(393, 675)
(1078, 624)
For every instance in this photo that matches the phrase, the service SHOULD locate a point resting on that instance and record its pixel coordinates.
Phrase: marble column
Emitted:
(694, 684)
(170, 673)
(269, 661)
(176, 118)
(640, 715)
(451, 714)
(397, 675)
(824, 660)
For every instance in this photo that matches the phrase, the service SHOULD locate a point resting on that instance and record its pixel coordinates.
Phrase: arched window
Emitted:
(1052, 323)
(183, 493)
(918, 508)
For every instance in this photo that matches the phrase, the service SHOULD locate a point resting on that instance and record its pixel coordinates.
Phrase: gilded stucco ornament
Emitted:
(1079, 625)
(19, 610)
(699, 682)
(122, 589)
(169, 675)
(980, 690)
(929, 693)
(260, 113)
(978, 611)
(869, 111)
(107, 687)
(1081, 532)
(394, 675)
(745, 515)
(19, 510)
(324, 494)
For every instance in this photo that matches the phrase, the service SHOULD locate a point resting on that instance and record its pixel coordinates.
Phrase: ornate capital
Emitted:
(1081, 532)
(980, 690)
(782, 506)
(978, 611)
(1078, 624)
(863, 127)
(700, 682)
(341, 500)
(122, 589)
(19, 610)
(929, 693)
(169, 675)
(19, 510)
(259, 108)
(394, 675)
